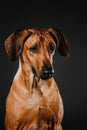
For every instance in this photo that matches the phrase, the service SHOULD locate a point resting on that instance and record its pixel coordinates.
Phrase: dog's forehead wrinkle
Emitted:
(45, 40)
(41, 32)
(41, 40)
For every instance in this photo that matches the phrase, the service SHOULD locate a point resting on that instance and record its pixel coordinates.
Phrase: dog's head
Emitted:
(37, 47)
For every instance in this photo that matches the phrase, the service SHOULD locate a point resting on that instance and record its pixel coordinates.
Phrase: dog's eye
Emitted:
(34, 49)
(51, 48)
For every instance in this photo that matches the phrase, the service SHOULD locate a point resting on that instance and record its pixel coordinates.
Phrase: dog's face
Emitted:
(37, 47)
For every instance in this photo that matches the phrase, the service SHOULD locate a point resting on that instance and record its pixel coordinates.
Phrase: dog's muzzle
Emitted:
(47, 72)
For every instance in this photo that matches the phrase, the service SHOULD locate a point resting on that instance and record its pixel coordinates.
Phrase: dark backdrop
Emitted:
(70, 74)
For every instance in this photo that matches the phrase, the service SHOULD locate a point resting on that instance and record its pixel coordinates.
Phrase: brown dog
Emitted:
(34, 101)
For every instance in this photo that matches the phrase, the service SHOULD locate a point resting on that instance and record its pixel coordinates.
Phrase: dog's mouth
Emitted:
(44, 74)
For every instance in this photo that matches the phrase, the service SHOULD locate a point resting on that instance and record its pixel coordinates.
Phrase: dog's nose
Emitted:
(47, 71)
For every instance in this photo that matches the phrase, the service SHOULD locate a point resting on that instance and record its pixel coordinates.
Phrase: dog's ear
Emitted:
(14, 43)
(61, 41)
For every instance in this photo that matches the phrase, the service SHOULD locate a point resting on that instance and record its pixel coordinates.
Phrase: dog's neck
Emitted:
(28, 79)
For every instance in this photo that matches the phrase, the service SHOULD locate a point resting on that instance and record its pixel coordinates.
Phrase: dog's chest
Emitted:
(42, 97)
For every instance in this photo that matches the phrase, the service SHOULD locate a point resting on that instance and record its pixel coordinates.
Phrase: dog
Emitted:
(34, 101)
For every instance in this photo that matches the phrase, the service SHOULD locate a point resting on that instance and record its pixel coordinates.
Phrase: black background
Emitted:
(71, 73)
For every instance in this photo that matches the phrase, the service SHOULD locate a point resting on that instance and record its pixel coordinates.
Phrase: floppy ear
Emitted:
(14, 43)
(60, 41)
